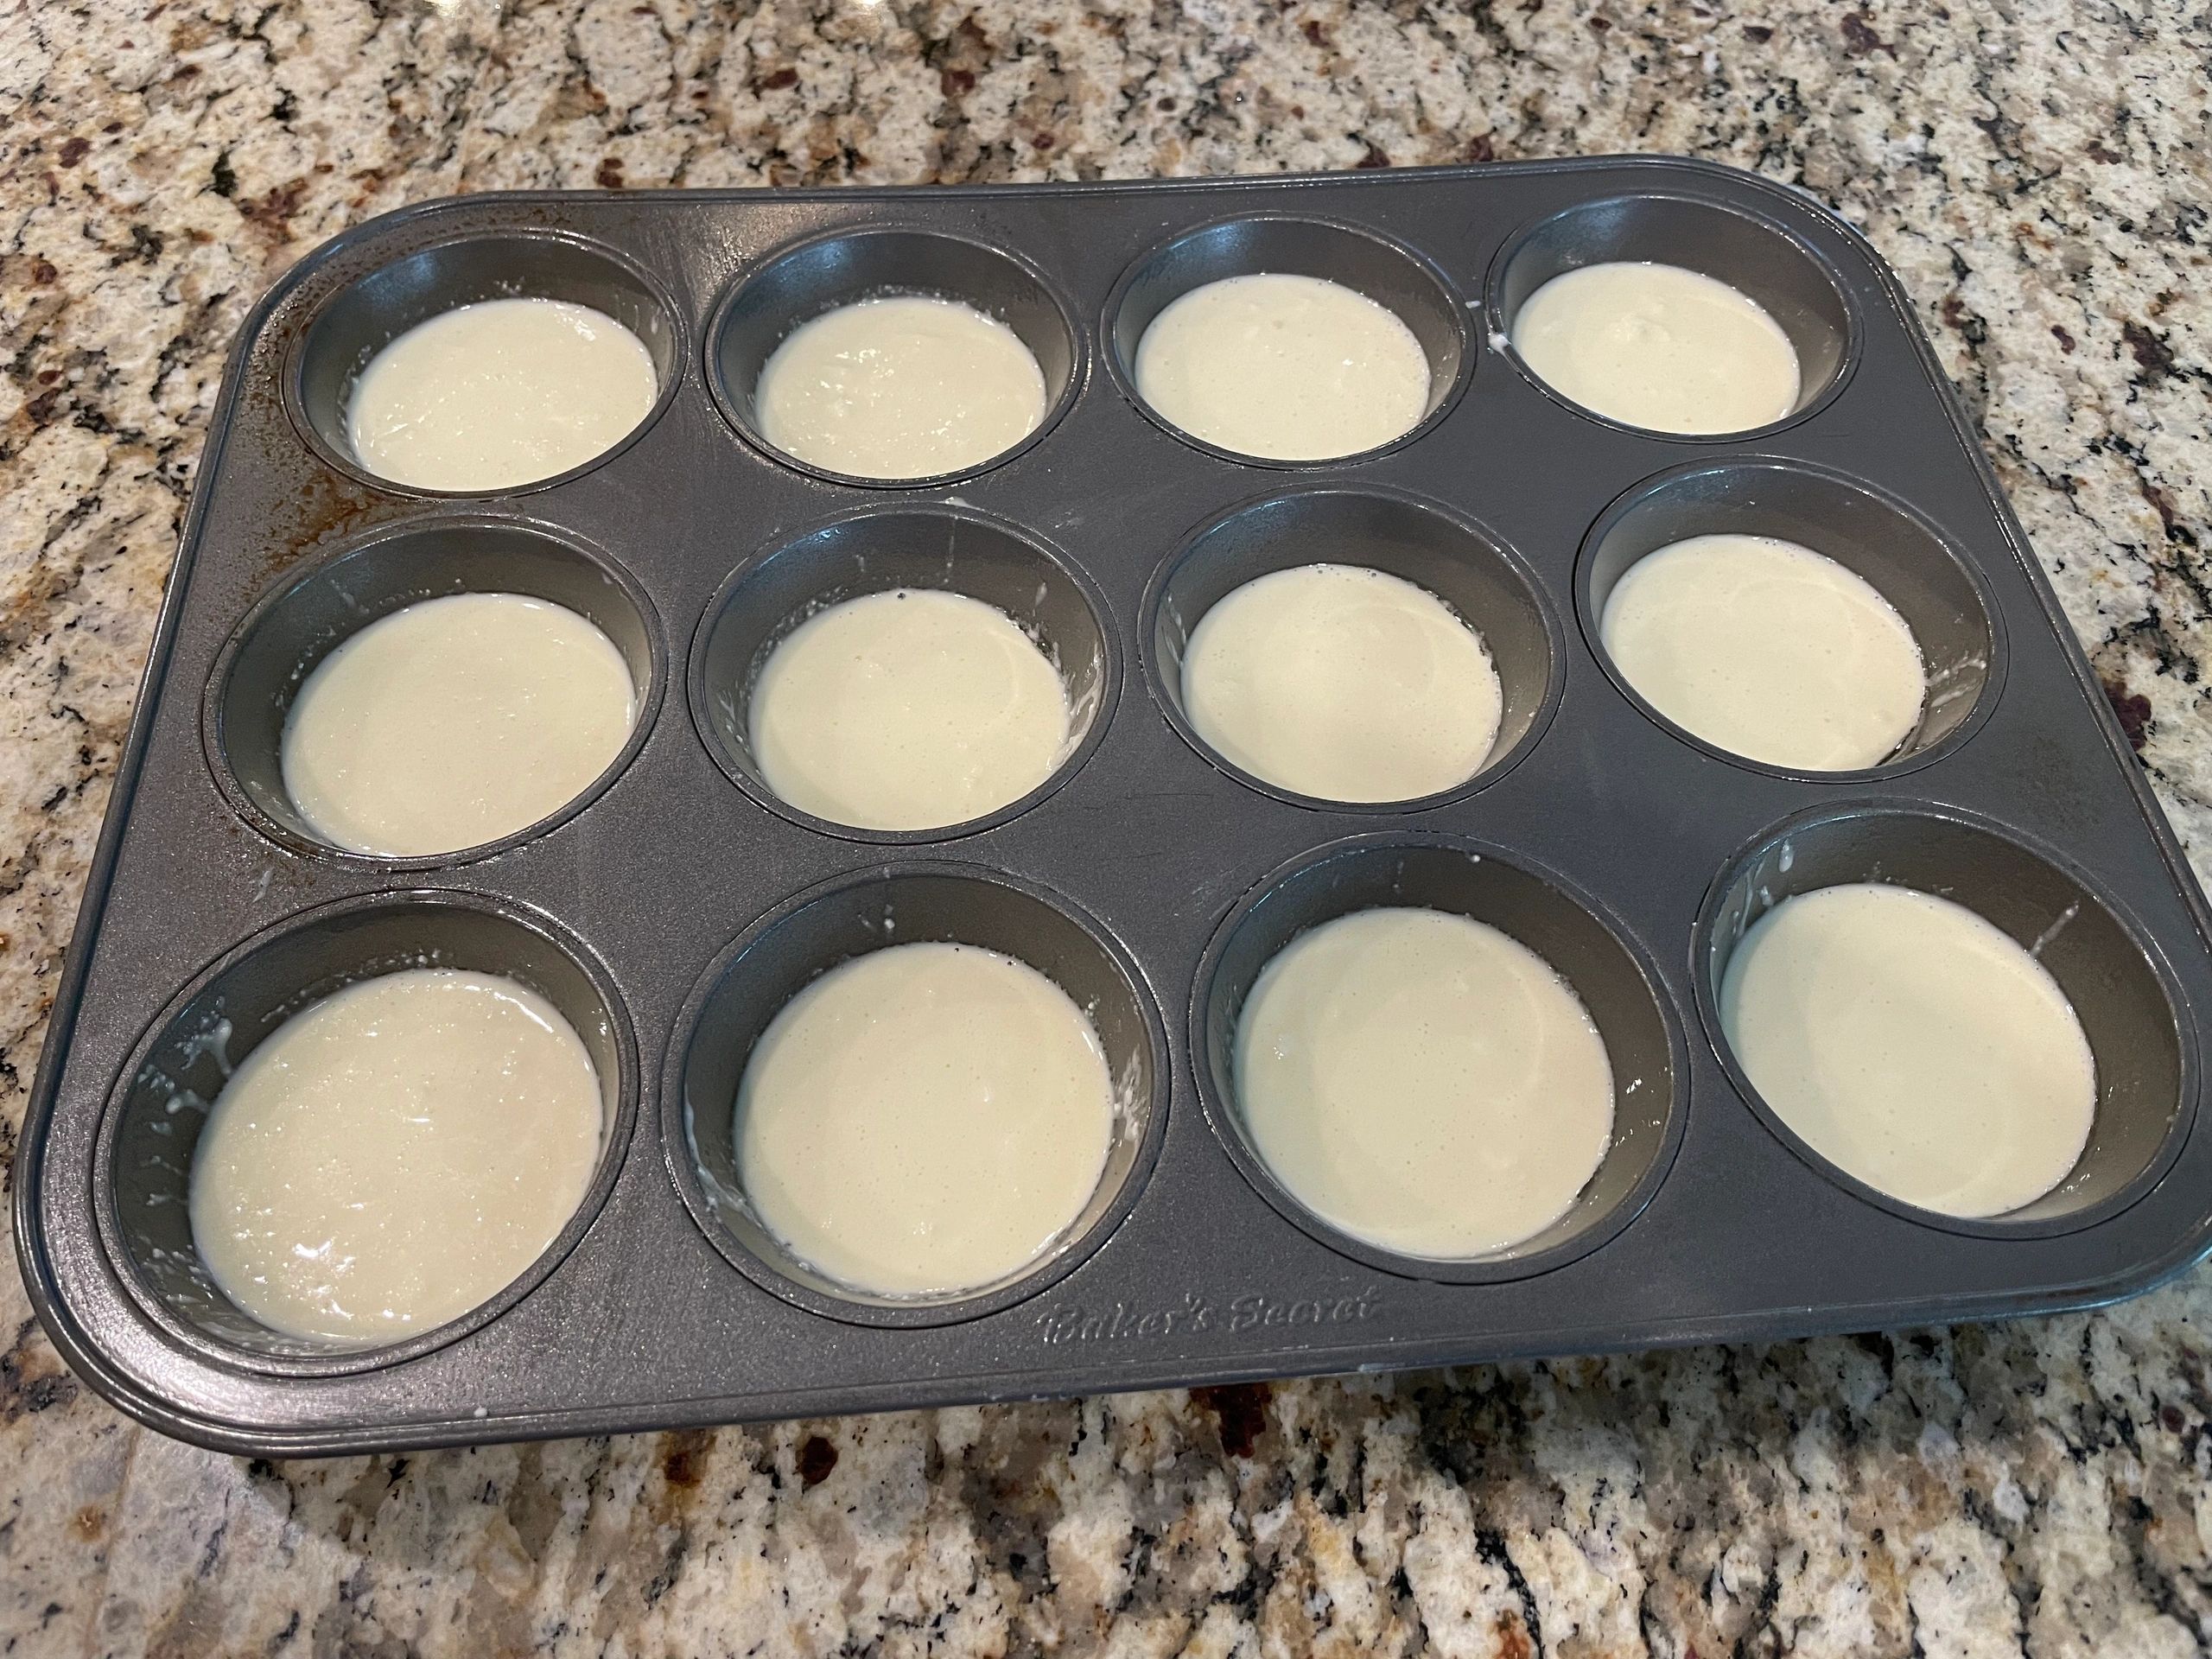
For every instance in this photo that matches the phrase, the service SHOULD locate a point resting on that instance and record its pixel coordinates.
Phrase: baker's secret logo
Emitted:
(1124, 1322)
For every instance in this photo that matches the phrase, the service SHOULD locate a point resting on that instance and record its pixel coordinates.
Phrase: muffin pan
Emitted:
(672, 909)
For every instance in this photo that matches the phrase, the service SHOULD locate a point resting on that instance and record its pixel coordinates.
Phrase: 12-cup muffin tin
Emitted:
(674, 908)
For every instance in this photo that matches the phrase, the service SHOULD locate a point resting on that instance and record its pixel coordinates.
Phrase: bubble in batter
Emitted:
(923, 1118)
(1769, 651)
(1423, 1082)
(394, 1155)
(1914, 1045)
(1290, 368)
(1659, 346)
(1343, 682)
(905, 386)
(499, 393)
(911, 709)
(454, 722)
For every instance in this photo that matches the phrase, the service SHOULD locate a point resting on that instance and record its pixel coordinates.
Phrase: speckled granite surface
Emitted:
(2041, 173)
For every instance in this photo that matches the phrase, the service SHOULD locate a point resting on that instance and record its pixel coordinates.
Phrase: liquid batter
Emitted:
(905, 386)
(1343, 682)
(1423, 1082)
(926, 1117)
(1659, 346)
(1914, 1045)
(1290, 368)
(394, 1155)
(455, 721)
(911, 710)
(1768, 650)
(499, 393)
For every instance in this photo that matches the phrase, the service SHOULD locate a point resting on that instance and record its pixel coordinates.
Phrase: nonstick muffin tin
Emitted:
(674, 908)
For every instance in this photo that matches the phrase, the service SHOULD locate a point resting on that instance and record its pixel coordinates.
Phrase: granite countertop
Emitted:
(2038, 171)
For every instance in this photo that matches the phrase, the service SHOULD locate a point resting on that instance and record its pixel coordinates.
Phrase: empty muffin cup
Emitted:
(590, 390)
(1539, 916)
(1718, 258)
(1877, 540)
(2139, 1043)
(603, 621)
(1318, 757)
(1394, 311)
(991, 307)
(800, 949)
(153, 1130)
(886, 754)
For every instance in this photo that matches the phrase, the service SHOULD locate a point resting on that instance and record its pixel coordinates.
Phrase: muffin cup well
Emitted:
(1753, 254)
(315, 610)
(1460, 563)
(772, 961)
(1404, 282)
(950, 549)
(1620, 990)
(2139, 1031)
(142, 1168)
(762, 308)
(352, 325)
(1869, 532)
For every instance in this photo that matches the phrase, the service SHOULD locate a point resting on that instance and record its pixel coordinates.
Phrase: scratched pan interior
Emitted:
(1719, 1227)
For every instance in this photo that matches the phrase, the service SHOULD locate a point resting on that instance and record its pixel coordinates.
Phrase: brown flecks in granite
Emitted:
(2152, 353)
(269, 215)
(31, 1378)
(1858, 35)
(816, 1458)
(682, 1458)
(1240, 1413)
(2134, 712)
(2038, 175)
(2169, 515)
(1957, 315)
